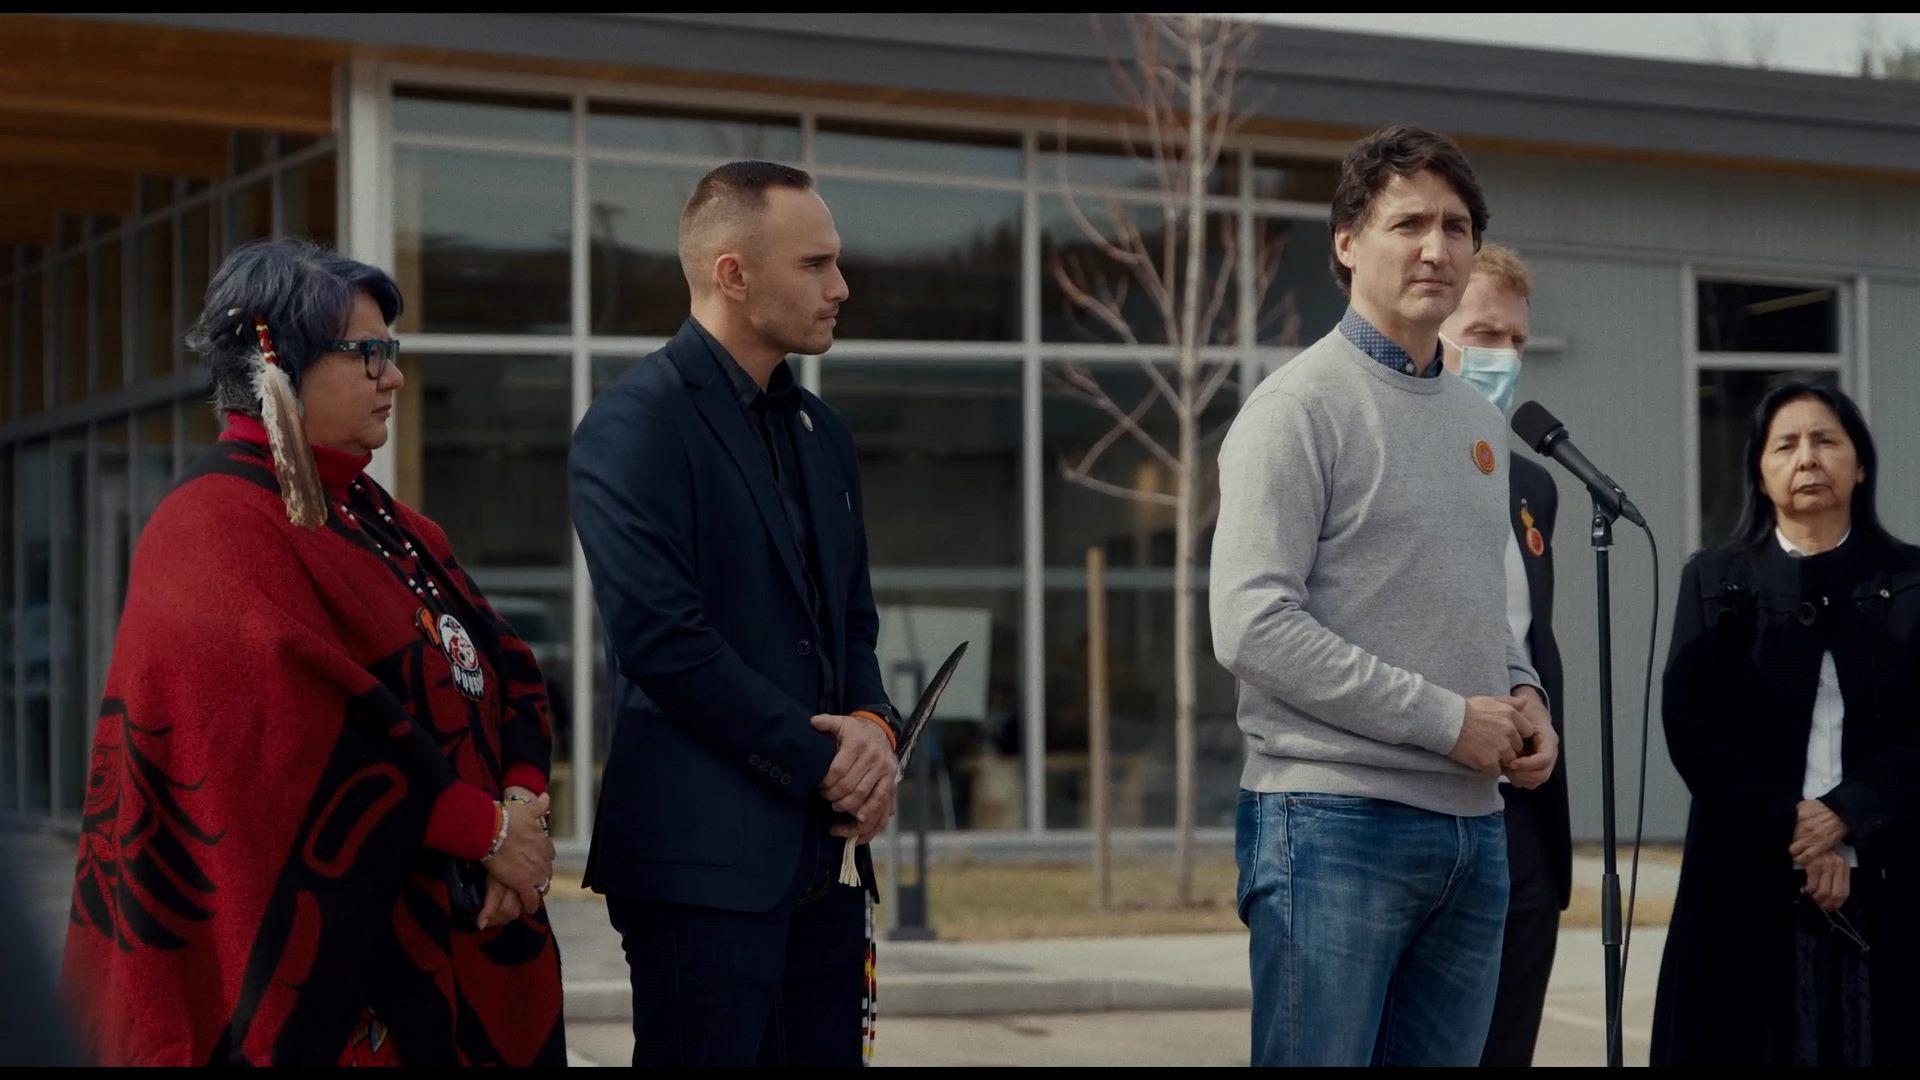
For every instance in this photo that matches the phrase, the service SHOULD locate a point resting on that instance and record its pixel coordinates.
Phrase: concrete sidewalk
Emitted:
(1161, 973)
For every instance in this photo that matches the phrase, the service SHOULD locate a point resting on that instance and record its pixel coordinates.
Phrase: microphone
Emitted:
(1548, 437)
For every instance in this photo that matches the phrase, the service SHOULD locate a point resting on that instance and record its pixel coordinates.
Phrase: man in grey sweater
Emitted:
(1359, 598)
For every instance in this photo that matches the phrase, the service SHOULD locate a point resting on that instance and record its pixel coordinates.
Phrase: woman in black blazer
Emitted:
(1792, 708)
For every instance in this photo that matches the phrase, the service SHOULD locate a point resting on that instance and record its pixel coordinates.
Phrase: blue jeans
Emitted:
(1376, 929)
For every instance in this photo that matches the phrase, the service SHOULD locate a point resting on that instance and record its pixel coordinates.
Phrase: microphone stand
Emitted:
(1602, 537)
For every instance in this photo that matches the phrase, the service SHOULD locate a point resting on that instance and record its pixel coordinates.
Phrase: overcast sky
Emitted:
(1826, 43)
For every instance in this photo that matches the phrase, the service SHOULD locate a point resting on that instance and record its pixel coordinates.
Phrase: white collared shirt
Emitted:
(1829, 713)
(1519, 598)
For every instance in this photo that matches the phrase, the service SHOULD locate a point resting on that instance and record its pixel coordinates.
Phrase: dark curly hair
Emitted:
(1403, 150)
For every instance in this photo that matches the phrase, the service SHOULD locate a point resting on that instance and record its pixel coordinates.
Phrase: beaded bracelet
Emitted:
(500, 840)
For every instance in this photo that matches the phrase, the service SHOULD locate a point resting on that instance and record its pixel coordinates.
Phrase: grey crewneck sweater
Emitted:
(1358, 590)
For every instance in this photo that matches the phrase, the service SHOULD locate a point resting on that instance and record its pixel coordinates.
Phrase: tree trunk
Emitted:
(1186, 487)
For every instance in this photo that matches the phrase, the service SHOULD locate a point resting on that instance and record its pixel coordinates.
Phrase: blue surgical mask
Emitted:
(1493, 372)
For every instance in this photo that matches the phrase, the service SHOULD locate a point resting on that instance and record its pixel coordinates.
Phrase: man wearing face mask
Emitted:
(1483, 340)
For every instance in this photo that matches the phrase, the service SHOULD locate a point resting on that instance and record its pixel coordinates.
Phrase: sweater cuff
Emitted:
(464, 822)
(521, 774)
(1441, 715)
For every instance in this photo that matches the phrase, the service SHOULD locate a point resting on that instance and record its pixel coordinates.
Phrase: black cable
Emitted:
(1640, 818)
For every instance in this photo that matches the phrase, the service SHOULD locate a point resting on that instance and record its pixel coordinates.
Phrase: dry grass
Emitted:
(992, 900)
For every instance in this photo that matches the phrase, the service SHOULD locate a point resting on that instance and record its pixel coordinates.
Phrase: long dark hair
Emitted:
(1757, 514)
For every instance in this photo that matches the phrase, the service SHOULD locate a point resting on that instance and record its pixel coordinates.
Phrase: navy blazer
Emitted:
(710, 636)
(1541, 814)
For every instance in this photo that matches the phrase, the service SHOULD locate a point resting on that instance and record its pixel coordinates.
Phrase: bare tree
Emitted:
(1884, 59)
(1155, 291)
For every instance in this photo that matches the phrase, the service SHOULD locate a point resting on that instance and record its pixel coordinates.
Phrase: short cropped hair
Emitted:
(723, 209)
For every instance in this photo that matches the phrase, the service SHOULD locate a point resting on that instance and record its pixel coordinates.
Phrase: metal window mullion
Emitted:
(581, 630)
(1033, 637)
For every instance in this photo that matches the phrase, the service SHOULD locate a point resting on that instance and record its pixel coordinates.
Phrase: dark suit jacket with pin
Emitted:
(1540, 845)
(714, 765)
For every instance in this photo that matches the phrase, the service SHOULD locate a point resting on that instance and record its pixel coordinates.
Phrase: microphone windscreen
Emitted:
(1533, 423)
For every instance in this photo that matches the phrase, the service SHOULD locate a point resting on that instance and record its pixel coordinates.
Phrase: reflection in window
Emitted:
(1066, 248)
(637, 285)
(974, 745)
(1279, 178)
(720, 136)
(1300, 300)
(69, 283)
(112, 370)
(927, 264)
(939, 458)
(152, 252)
(1081, 506)
(1737, 316)
(1727, 402)
(1141, 704)
(249, 213)
(8, 362)
(33, 502)
(886, 146)
(481, 242)
(490, 432)
(72, 528)
(309, 193)
(33, 357)
(466, 114)
(9, 749)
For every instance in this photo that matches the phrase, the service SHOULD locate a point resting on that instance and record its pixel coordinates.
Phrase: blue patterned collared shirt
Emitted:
(1383, 349)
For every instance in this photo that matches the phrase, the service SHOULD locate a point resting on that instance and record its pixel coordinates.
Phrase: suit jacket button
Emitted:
(805, 647)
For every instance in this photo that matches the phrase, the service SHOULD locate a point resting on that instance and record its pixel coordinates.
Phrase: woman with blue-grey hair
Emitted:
(314, 829)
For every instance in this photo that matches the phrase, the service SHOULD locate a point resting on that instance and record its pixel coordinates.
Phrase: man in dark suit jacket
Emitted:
(719, 507)
(1484, 339)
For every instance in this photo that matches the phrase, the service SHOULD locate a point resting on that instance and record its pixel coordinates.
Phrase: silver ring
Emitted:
(542, 887)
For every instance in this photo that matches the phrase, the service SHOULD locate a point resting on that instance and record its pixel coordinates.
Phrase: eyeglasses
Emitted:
(1840, 924)
(375, 353)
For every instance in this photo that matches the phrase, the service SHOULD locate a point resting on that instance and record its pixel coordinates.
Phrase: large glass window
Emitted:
(309, 196)
(636, 281)
(112, 373)
(152, 253)
(923, 263)
(69, 281)
(467, 114)
(718, 136)
(1106, 488)
(1736, 316)
(939, 444)
(1092, 270)
(887, 146)
(196, 246)
(1299, 300)
(9, 631)
(249, 213)
(9, 360)
(932, 225)
(71, 531)
(33, 346)
(153, 458)
(109, 513)
(482, 241)
(1140, 708)
(33, 512)
(493, 432)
